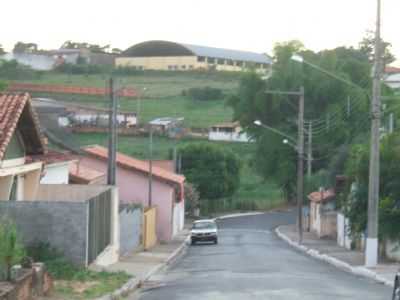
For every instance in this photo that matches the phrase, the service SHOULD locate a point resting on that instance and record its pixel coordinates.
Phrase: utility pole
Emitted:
(300, 152)
(300, 166)
(309, 151)
(112, 138)
(348, 107)
(371, 249)
(391, 122)
(151, 167)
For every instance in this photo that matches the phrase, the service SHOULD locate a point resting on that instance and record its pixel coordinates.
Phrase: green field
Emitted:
(162, 98)
(253, 194)
(158, 84)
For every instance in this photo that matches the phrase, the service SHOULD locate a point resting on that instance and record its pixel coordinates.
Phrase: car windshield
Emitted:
(204, 225)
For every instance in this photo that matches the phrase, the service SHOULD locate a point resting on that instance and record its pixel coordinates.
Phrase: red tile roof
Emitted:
(12, 106)
(51, 157)
(135, 164)
(322, 196)
(81, 174)
(392, 70)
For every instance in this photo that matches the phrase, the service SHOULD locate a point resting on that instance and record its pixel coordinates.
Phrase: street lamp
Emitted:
(371, 249)
(298, 58)
(300, 154)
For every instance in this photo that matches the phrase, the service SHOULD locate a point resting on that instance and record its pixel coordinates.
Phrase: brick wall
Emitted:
(62, 224)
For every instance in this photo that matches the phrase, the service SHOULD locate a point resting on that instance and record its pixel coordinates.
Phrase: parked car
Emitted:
(396, 288)
(204, 231)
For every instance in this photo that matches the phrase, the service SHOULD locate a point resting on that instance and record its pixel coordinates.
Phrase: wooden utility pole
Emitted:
(309, 151)
(112, 136)
(300, 165)
(371, 249)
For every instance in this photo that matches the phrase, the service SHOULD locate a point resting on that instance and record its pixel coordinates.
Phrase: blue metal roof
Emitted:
(228, 54)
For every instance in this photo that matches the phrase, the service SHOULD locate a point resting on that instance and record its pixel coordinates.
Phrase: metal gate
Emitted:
(100, 212)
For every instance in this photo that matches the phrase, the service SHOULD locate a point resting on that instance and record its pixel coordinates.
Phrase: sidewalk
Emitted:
(348, 260)
(142, 265)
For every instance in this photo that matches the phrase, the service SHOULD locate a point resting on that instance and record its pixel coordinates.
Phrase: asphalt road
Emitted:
(251, 262)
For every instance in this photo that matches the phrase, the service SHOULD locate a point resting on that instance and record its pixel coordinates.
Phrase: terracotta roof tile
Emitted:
(322, 196)
(51, 157)
(82, 174)
(11, 108)
(135, 164)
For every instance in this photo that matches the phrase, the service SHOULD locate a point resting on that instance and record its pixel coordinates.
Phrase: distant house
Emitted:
(323, 215)
(20, 137)
(172, 127)
(80, 221)
(133, 184)
(392, 77)
(228, 132)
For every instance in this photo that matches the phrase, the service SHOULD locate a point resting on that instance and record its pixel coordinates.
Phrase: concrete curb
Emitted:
(173, 257)
(134, 283)
(239, 215)
(359, 271)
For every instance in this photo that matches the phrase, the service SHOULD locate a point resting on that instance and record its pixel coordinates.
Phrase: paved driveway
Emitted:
(250, 262)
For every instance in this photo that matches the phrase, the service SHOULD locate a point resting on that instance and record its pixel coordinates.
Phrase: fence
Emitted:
(65, 89)
(99, 224)
(149, 228)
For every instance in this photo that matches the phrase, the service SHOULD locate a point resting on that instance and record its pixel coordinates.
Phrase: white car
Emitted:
(204, 231)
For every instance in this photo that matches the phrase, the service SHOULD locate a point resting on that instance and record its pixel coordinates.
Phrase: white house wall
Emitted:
(228, 137)
(56, 174)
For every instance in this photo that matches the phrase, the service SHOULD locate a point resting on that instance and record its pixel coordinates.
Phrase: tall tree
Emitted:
(367, 46)
(21, 47)
(326, 100)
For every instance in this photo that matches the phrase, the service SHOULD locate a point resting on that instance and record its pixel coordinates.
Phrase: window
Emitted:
(191, 67)
(170, 67)
(239, 63)
(258, 65)
(229, 62)
(211, 60)
(201, 59)
(183, 67)
(221, 61)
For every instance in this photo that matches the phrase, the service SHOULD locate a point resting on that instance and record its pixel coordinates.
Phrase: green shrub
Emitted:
(82, 68)
(215, 171)
(204, 93)
(11, 251)
(12, 70)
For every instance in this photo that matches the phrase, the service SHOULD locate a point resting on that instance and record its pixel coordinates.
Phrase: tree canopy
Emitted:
(214, 171)
(336, 110)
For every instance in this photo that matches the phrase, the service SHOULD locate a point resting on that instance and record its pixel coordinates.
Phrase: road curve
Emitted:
(251, 262)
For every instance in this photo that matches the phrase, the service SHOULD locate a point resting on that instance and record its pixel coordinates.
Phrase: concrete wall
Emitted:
(179, 217)
(343, 233)
(130, 229)
(62, 224)
(56, 174)
(159, 63)
(133, 188)
(68, 193)
(182, 63)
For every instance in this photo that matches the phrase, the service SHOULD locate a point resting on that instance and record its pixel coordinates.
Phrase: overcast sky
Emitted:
(254, 25)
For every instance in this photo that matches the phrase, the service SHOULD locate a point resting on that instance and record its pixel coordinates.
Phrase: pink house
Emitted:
(133, 184)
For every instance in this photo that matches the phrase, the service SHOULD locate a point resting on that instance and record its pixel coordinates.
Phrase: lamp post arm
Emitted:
(279, 133)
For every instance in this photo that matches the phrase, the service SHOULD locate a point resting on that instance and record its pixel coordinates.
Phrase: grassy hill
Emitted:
(162, 97)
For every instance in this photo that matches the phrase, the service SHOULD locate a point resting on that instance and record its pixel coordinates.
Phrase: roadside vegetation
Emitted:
(73, 282)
